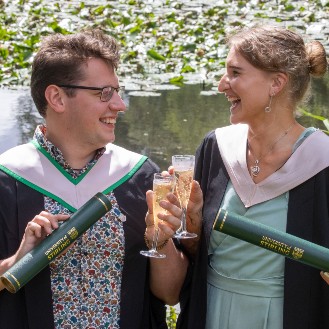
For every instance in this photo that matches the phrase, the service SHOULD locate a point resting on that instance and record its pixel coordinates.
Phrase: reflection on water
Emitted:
(9, 129)
(173, 123)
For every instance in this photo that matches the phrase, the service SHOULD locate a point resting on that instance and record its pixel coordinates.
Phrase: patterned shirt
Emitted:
(86, 279)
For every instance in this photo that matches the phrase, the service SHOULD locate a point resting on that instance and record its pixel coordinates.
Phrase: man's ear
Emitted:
(54, 96)
(279, 82)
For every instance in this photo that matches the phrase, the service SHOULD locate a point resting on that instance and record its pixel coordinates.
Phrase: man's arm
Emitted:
(36, 230)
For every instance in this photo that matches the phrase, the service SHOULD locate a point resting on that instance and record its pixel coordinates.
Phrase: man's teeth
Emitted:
(109, 120)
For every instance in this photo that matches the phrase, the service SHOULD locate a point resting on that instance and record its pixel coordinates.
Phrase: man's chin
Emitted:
(111, 140)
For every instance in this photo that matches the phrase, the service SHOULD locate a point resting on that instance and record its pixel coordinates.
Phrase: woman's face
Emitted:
(247, 88)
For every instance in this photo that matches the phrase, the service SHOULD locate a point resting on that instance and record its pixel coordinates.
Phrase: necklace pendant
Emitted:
(255, 169)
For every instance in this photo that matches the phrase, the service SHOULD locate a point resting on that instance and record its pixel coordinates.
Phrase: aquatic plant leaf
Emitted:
(314, 116)
(98, 10)
(155, 55)
(177, 80)
(135, 30)
(187, 69)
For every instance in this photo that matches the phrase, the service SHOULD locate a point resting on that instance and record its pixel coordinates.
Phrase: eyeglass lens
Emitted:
(108, 92)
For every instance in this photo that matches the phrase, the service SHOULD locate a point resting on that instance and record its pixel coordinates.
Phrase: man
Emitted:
(101, 281)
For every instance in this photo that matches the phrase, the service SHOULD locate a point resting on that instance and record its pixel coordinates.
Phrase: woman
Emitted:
(269, 168)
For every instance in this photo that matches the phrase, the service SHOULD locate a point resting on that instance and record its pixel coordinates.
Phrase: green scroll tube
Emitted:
(40, 256)
(271, 239)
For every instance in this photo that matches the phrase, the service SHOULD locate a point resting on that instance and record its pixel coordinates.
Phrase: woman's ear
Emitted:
(54, 97)
(279, 82)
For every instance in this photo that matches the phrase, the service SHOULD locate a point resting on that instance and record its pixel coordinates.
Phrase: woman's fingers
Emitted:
(196, 196)
(171, 215)
(168, 219)
(172, 198)
(195, 204)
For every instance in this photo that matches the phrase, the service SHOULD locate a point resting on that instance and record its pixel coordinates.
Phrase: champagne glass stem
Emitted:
(182, 233)
(155, 239)
(183, 219)
(161, 186)
(153, 251)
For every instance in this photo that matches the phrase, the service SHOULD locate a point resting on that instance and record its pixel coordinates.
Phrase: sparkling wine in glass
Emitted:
(184, 170)
(162, 185)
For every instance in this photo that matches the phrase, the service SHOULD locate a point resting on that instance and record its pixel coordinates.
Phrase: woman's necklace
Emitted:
(255, 169)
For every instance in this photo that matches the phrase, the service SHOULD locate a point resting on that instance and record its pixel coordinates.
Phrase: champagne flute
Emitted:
(184, 170)
(162, 185)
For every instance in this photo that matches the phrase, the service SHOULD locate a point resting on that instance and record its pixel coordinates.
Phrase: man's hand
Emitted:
(37, 229)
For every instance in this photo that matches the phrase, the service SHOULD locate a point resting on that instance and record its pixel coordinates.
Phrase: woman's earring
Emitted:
(268, 108)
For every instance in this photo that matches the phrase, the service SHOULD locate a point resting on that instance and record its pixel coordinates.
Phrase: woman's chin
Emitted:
(234, 118)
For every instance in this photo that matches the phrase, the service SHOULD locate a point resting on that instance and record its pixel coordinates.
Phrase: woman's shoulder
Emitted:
(225, 130)
(232, 129)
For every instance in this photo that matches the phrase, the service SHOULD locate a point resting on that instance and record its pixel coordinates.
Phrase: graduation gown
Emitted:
(306, 295)
(31, 306)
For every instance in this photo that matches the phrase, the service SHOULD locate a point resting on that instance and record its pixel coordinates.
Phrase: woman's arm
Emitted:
(167, 275)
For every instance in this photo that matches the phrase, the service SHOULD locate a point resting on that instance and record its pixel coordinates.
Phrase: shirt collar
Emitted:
(56, 154)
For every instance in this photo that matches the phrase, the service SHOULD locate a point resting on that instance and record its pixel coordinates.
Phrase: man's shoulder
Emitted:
(147, 164)
(19, 158)
(19, 150)
(113, 148)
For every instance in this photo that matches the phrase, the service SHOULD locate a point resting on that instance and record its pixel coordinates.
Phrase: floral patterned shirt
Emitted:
(86, 279)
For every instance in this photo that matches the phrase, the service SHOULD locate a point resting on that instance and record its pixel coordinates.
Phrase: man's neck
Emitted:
(74, 154)
(75, 157)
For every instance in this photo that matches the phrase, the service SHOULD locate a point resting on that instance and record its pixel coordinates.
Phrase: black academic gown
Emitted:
(306, 295)
(31, 306)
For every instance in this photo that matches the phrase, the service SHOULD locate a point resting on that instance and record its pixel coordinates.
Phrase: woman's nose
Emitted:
(223, 84)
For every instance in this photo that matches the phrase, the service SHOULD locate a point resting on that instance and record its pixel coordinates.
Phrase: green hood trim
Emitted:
(127, 176)
(74, 181)
(61, 201)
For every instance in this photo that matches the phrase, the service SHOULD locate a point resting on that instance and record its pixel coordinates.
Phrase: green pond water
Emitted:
(158, 123)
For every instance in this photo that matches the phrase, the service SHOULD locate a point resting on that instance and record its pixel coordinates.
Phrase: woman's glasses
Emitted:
(106, 92)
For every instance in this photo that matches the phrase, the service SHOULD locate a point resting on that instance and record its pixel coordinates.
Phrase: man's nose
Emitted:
(116, 103)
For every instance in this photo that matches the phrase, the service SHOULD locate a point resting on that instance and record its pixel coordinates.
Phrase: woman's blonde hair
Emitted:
(277, 49)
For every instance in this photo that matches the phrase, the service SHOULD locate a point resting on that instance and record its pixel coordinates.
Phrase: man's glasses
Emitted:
(106, 92)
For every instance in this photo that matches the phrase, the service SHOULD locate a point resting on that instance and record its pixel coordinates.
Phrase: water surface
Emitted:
(163, 123)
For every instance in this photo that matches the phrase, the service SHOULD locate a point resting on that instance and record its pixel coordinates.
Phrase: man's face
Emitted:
(89, 121)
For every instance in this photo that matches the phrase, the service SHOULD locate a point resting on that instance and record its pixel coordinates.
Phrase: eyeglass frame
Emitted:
(112, 90)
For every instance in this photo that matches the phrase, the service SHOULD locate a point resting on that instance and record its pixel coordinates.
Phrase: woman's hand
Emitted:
(167, 274)
(193, 216)
(194, 209)
(169, 220)
(194, 206)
